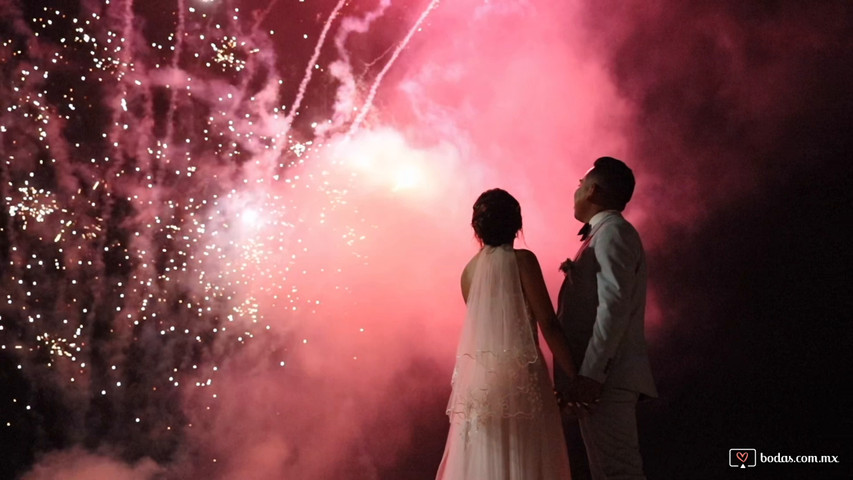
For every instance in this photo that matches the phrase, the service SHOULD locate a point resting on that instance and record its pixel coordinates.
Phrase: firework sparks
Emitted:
(149, 222)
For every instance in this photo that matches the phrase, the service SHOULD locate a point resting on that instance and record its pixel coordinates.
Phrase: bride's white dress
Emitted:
(504, 421)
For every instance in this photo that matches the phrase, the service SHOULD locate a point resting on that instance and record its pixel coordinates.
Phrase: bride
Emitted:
(504, 419)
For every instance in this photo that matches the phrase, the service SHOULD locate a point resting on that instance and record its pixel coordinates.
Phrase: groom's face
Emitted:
(582, 196)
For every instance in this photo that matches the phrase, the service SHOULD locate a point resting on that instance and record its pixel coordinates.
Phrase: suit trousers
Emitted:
(610, 437)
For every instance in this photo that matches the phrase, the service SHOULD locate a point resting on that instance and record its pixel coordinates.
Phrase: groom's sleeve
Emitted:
(616, 251)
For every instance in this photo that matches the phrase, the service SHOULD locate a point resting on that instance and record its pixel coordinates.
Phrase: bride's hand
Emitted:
(577, 410)
(572, 409)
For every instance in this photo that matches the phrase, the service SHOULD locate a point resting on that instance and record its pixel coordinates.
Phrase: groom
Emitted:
(601, 310)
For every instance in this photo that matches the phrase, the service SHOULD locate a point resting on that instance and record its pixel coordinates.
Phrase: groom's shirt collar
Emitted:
(598, 217)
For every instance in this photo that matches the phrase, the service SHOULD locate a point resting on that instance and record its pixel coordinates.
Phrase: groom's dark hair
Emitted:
(615, 181)
(497, 217)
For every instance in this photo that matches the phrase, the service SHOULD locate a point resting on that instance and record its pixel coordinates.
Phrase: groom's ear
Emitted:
(600, 196)
(597, 195)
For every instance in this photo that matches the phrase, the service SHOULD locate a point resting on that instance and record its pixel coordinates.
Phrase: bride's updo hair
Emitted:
(497, 217)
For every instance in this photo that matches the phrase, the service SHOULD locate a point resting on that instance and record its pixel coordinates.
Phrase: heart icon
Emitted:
(742, 456)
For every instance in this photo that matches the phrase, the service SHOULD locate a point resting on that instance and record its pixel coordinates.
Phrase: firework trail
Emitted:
(309, 68)
(341, 69)
(368, 103)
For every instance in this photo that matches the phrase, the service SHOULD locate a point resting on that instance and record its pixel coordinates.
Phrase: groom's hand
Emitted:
(570, 406)
(586, 390)
(574, 411)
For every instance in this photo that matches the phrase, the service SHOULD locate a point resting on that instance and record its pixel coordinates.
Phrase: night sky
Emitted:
(757, 287)
(222, 261)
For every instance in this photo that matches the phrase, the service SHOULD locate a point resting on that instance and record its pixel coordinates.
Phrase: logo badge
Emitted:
(742, 457)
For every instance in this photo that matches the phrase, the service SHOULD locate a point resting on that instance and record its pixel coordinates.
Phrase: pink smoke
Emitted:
(77, 464)
(353, 377)
(485, 97)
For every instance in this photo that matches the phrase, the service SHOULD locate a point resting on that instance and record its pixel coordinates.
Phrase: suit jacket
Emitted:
(601, 308)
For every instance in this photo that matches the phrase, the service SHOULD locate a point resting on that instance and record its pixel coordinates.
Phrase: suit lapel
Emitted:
(568, 280)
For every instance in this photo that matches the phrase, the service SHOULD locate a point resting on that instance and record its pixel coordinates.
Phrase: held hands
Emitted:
(585, 389)
(581, 397)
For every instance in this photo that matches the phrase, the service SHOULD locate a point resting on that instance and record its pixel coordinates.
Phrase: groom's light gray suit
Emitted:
(601, 309)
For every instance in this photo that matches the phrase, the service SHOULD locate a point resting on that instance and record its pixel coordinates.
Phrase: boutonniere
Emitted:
(567, 266)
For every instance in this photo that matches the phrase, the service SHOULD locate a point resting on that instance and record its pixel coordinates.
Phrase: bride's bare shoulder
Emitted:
(528, 264)
(467, 275)
(524, 255)
(468, 271)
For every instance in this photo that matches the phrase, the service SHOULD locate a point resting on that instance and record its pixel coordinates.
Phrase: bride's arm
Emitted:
(536, 293)
(467, 274)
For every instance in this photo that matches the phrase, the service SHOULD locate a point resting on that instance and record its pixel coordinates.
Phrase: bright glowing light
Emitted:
(250, 217)
(407, 177)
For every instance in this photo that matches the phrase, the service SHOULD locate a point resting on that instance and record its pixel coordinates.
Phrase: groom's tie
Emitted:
(584, 232)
